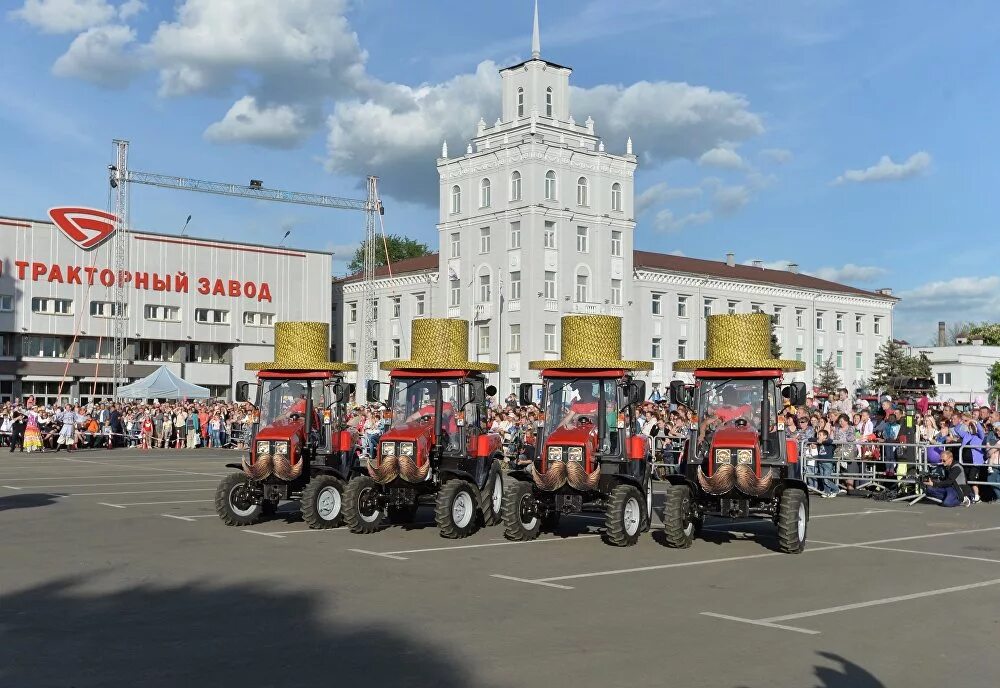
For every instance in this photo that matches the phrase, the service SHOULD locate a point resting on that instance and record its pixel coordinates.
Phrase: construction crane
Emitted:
(121, 178)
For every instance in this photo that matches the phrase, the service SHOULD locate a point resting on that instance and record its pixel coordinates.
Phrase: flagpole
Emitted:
(500, 373)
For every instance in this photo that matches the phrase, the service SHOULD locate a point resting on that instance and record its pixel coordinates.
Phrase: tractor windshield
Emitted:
(282, 400)
(583, 403)
(728, 402)
(416, 400)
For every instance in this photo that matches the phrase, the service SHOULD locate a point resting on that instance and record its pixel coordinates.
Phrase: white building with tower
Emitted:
(536, 220)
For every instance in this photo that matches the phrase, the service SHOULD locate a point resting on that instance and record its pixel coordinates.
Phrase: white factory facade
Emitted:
(537, 220)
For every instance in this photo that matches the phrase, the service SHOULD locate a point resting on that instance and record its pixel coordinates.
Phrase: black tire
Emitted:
(793, 518)
(241, 512)
(402, 515)
(679, 528)
(491, 502)
(322, 502)
(518, 496)
(456, 509)
(362, 514)
(624, 517)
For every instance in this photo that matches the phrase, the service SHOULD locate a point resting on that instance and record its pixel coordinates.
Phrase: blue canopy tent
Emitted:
(163, 384)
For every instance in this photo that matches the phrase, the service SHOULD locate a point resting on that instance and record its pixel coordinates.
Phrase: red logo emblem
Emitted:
(86, 227)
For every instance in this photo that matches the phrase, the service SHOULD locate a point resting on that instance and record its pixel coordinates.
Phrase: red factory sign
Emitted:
(88, 228)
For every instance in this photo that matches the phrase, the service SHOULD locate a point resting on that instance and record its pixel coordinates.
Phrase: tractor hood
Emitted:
(281, 429)
(735, 438)
(409, 432)
(578, 437)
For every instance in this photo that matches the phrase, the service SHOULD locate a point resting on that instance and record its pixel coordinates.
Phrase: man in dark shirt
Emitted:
(115, 417)
(952, 489)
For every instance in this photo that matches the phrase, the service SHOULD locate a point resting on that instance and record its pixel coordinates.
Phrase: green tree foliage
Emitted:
(892, 361)
(400, 248)
(993, 378)
(827, 380)
(775, 344)
(988, 332)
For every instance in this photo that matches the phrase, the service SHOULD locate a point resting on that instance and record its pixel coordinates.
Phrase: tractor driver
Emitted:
(426, 395)
(729, 412)
(582, 410)
(298, 408)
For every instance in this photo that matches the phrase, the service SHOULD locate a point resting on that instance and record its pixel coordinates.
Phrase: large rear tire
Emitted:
(793, 518)
(362, 512)
(624, 518)
(456, 509)
(520, 522)
(235, 503)
(678, 526)
(323, 502)
(492, 496)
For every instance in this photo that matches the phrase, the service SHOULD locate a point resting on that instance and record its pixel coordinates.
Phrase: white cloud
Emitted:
(665, 221)
(851, 273)
(887, 170)
(130, 8)
(663, 192)
(729, 199)
(99, 55)
(725, 158)
(777, 155)
(64, 16)
(959, 294)
(246, 122)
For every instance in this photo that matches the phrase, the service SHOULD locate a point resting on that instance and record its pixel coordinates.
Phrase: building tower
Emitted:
(536, 220)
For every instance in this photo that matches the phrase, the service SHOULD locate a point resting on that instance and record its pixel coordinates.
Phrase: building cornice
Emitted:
(490, 159)
(548, 210)
(399, 281)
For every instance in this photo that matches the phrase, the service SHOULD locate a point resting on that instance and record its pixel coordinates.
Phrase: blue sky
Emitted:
(854, 138)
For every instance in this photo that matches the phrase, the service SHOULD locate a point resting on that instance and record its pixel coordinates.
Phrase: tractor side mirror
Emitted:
(524, 394)
(340, 392)
(795, 393)
(679, 393)
(372, 390)
(242, 392)
(491, 391)
(636, 392)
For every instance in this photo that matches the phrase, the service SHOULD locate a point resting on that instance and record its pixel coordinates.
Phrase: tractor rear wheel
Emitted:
(456, 509)
(362, 512)
(678, 526)
(235, 503)
(520, 521)
(793, 517)
(625, 516)
(492, 496)
(322, 502)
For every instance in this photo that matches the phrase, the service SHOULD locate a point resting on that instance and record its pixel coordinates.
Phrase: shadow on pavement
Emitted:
(61, 634)
(846, 675)
(25, 501)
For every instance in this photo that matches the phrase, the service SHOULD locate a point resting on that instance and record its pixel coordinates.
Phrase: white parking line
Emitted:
(533, 582)
(917, 551)
(505, 543)
(377, 554)
(760, 622)
(259, 532)
(144, 482)
(115, 506)
(181, 501)
(145, 468)
(78, 477)
(100, 494)
(190, 519)
(283, 533)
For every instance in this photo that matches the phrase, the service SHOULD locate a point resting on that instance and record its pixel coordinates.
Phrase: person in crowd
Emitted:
(952, 489)
(18, 424)
(971, 434)
(826, 460)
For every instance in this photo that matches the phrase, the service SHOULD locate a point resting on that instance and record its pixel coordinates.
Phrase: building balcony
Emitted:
(514, 305)
(616, 310)
(552, 305)
(483, 311)
(588, 308)
(455, 312)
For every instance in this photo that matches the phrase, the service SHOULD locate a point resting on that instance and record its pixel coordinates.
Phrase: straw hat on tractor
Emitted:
(301, 346)
(739, 342)
(439, 344)
(591, 342)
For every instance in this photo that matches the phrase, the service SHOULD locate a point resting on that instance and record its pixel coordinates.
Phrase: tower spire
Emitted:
(536, 43)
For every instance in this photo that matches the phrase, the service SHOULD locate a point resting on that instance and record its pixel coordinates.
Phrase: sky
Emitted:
(857, 139)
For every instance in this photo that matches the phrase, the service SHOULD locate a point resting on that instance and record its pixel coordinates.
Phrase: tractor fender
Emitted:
(631, 480)
(327, 470)
(792, 483)
(449, 473)
(677, 479)
(494, 467)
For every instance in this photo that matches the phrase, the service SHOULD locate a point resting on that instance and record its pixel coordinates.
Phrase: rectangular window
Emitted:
(819, 357)
(839, 322)
(549, 234)
(877, 325)
(708, 306)
(582, 239)
(375, 308)
(777, 315)
(616, 243)
(352, 352)
(455, 293)
(258, 319)
(682, 349)
(352, 312)
(374, 349)
(7, 303)
(52, 306)
(859, 362)
(800, 317)
(396, 349)
(162, 313)
(515, 235)
(515, 285)
(6, 345)
(484, 239)
(798, 354)
(456, 245)
(43, 347)
(207, 352)
(418, 304)
(582, 288)
(211, 316)
(840, 360)
(550, 338)
(756, 307)
(550, 284)
(656, 304)
(515, 338)
(485, 289)
(944, 378)
(731, 307)
(484, 339)
(859, 324)
(105, 309)
(656, 350)
(396, 306)
(616, 292)
(819, 320)
(682, 306)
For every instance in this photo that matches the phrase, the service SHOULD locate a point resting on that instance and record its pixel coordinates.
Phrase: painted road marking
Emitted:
(78, 477)
(101, 494)
(145, 482)
(377, 554)
(917, 551)
(476, 546)
(760, 622)
(187, 518)
(115, 506)
(181, 501)
(533, 582)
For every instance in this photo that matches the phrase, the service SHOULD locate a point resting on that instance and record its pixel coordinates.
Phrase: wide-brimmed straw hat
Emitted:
(590, 342)
(439, 344)
(739, 342)
(301, 346)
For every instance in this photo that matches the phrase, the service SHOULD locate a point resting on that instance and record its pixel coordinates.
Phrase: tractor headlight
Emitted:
(281, 447)
(555, 453)
(406, 448)
(388, 449)
(723, 456)
(744, 456)
(576, 454)
(262, 447)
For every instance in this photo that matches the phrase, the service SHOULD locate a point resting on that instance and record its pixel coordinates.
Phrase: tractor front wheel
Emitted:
(678, 525)
(793, 516)
(322, 502)
(362, 512)
(520, 518)
(456, 509)
(625, 516)
(235, 502)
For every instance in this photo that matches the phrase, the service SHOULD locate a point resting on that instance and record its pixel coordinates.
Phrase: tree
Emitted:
(988, 332)
(400, 248)
(893, 362)
(827, 380)
(993, 379)
(775, 344)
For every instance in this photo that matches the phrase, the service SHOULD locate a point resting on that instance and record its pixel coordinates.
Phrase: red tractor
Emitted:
(737, 459)
(299, 447)
(436, 449)
(589, 455)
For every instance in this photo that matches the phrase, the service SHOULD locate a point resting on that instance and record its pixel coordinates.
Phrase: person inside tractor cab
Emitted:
(422, 399)
(582, 409)
(298, 410)
(732, 406)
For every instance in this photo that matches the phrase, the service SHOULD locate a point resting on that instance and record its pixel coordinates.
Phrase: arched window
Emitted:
(616, 196)
(485, 286)
(582, 191)
(515, 186)
(456, 199)
(548, 102)
(484, 193)
(520, 102)
(550, 185)
(582, 285)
